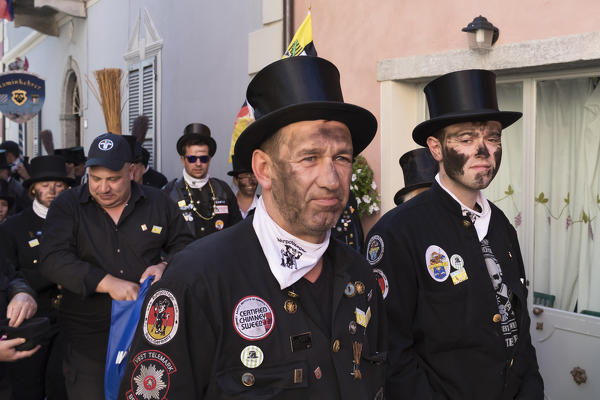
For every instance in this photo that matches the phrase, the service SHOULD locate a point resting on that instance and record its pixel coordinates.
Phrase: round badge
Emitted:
(219, 224)
(151, 376)
(436, 262)
(352, 327)
(253, 318)
(252, 356)
(350, 290)
(382, 280)
(105, 144)
(360, 287)
(162, 318)
(457, 261)
(374, 249)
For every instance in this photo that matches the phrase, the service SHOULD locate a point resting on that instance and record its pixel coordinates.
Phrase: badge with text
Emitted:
(374, 249)
(151, 376)
(222, 209)
(460, 273)
(33, 243)
(253, 318)
(437, 263)
(382, 280)
(162, 318)
(156, 229)
(252, 356)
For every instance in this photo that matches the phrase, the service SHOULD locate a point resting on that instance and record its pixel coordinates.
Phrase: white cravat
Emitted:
(193, 182)
(481, 220)
(40, 209)
(289, 258)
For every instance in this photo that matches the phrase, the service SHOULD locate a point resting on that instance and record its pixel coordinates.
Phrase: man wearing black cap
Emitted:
(102, 239)
(207, 204)
(245, 181)
(450, 264)
(281, 311)
(40, 375)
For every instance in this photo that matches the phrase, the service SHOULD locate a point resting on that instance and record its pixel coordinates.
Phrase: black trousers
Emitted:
(84, 376)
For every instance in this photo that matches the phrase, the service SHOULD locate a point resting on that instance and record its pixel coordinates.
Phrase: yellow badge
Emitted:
(181, 203)
(460, 273)
(363, 318)
(156, 229)
(33, 243)
(144, 227)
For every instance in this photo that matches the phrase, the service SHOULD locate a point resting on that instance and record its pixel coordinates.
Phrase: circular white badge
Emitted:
(457, 261)
(105, 144)
(437, 263)
(162, 318)
(374, 249)
(382, 280)
(253, 318)
(252, 356)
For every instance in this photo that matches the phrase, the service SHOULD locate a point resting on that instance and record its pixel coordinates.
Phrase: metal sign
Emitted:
(21, 95)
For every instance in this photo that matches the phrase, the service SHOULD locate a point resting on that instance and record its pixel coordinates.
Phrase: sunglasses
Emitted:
(193, 159)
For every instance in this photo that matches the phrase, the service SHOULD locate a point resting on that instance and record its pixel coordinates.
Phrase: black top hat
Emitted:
(3, 162)
(5, 194)
(238, 166)
(301, 89)
(48, 168)
(419, 169)
(197, 132)
(110, 151)
(77, 155)
(34, 330)
(462, 96)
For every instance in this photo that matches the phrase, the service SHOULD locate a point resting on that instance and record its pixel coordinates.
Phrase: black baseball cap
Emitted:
(110, 151)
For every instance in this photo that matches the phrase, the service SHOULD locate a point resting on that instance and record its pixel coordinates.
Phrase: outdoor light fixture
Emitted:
(482, 33)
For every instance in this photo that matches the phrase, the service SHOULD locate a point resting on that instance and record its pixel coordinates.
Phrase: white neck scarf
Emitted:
(481, 220)
(193, 182)
(289, 258)
(40, 209)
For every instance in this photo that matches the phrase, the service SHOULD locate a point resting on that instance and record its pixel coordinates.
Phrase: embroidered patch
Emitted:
(374, 249)
(460, 273)
(253, 318)
(252, 356)
(156, 229)
(382, 280)
(222, 209)
(33, 243)
(219, 224)
(162, 318)
(151, 377)
(436, 261)
(105, 144)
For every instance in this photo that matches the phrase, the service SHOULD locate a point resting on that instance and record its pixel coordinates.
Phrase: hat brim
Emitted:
(114, 165)
(209, 141)
(237, 172)
(407, 189)
(31, 181)
(430, 127)
(361, 123)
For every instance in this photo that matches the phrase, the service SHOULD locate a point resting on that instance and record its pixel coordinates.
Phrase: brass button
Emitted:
(35, 261)
(360, 287)
(248, 379)
(496, 318)
(466, 223)
(336, 346)
(512, 361)
(290, 306)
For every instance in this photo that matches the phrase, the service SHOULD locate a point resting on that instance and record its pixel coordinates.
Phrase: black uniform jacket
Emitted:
(81, 245)
(228, 212)
(444, 341)
(154, 178)
(20, 237)
(11, 283)
(225, 301)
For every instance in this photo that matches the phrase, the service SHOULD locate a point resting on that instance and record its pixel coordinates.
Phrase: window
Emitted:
(142, 100)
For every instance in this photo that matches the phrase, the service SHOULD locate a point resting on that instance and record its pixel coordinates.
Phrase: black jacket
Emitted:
(154, 178)
(444, 340)
(219, 287)
(11, 283)
(228, 210)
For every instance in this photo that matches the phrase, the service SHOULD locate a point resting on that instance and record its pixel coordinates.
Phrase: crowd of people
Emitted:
(277, 294)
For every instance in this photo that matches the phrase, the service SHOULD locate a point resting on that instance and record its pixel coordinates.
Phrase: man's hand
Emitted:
(21, 307)
(22, 171)
(156, 270)
(118, 289)
(9, 353)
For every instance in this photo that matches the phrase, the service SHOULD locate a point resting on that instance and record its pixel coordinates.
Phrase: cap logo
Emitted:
(105, 144)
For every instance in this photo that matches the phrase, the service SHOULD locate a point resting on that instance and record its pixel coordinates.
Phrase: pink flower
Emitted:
(518, 220)
(569, 222)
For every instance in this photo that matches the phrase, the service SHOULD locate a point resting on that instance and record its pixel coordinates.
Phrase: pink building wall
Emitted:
(355, 34)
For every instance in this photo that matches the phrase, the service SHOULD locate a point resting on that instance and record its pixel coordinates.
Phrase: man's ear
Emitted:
(131, 169)
(262, 166)
(435, 147)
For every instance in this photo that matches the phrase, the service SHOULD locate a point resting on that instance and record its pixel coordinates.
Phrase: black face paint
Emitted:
(497, 159)
(482, 151)
(453, 162)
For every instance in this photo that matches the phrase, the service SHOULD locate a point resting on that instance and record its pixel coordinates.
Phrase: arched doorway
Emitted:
(71, 108)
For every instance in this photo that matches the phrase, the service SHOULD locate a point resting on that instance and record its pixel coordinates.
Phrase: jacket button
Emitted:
(247, 379)
(512, 361)
(466, 223)
(336, 346)
(496, 318)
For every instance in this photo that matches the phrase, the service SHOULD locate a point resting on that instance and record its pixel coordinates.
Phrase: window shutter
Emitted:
(142, 100)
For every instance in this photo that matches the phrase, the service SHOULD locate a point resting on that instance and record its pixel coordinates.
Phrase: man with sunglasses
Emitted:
(207, 204)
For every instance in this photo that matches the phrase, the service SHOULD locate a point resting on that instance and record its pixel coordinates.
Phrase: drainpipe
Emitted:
(288, 23)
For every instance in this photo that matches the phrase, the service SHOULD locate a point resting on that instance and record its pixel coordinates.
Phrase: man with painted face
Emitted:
(100, 241)
(271, 307)
(449, 264)
(245, 181)
(207, 204)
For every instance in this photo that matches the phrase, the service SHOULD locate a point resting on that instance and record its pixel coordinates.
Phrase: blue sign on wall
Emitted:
(21, 95)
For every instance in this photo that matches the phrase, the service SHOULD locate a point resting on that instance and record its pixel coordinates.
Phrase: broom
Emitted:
(47, 141)
(140, 127)
(109, 96)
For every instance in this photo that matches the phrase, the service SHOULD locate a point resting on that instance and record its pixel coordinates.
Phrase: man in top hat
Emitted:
(100, 241)
(38, 376)
(75, 162)
(419, 170)
(245, 181)
(456, 294)
(207, 204)
(276, 310)
(14, 187)
(144, 173)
